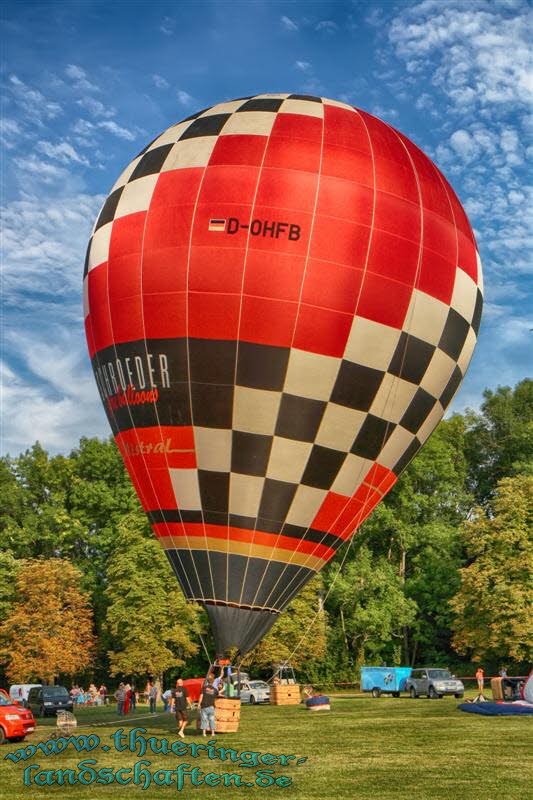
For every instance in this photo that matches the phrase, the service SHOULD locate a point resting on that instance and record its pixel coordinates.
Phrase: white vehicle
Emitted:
(433, 683)
(20, 692)
(255, 692)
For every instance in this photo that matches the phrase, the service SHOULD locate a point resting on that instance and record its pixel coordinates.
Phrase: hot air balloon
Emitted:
(282, 294)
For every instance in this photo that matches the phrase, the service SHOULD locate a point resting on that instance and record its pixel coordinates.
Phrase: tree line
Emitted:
(441, 573)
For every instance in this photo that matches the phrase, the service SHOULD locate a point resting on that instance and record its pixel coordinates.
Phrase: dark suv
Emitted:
(433, 683)
(43, 700)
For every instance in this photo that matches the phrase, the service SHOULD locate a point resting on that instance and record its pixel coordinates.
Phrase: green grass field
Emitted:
(364, 749)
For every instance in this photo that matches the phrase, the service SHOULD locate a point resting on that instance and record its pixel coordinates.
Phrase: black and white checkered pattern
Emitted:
(276, 428)
(302, 423)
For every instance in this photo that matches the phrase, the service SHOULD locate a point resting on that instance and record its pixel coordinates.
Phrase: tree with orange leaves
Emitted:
(49, 629)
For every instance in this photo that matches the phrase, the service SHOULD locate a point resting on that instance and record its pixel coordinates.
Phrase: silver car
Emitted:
(255, 692)
(433, 683)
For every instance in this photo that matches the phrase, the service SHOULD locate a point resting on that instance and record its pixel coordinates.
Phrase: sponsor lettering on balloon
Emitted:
(130, 397)
(114, 378)
(145, 448)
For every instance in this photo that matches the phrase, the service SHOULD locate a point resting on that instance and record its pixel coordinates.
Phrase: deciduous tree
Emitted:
(153, 626)
(499, 439)
(369, 601)
(49, 629)
(494, 605)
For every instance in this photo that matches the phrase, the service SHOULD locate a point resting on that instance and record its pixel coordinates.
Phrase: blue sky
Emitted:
(87, 84)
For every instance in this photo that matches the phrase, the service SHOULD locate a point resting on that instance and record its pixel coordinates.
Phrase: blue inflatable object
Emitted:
(496, 709)
(322, 700)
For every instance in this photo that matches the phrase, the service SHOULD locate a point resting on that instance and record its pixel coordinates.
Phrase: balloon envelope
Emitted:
(282, 294)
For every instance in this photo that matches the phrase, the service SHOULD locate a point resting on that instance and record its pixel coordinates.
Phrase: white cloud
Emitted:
(424, 102)
(43, 247)
(40, 170)
(33, 103)
(83, 127)
(478, 54)
(384, 113)
(10, 132)
(117, 130)
(288, 24)
(184, 98)
(62, 152)
(160, 82)
(60, 399)
(327, 26)
(95, 107)
(374, 18)
(167, 26)
(314, 86)
(47, 389)
(79, 77)
(464, 145)
(516, 197)
(303, 66)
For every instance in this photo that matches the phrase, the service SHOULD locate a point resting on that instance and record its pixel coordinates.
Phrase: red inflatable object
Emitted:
(282, 294)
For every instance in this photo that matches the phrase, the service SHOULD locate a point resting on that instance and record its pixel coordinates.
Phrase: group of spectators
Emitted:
(178, 701)
(126, 698)
(510, 683)
(175, 700)
(89, 697)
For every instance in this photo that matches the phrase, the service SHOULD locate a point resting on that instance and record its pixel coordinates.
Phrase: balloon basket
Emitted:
(285, 694)
(227, 715)
(284, 690)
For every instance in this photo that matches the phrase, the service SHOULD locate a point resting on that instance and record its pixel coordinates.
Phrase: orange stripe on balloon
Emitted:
(287, 543)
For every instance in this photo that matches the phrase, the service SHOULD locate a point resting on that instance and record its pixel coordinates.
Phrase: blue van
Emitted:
(384, 680)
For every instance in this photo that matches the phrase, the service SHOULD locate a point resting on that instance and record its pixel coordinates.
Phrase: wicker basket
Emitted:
(227, 715)
(285, 694)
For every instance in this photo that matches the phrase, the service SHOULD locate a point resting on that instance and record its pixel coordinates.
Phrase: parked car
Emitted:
(43, 700)
(15, 720)
(255, 692)
(384, 680)
(433, 683)
(20, 691)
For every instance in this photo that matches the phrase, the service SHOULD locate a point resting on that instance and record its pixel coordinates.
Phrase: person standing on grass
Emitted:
(181, 705)
(207, 707)
(152, 696)
(120, 697)
(133, 698)
(167, 700)
(480, 676)
(127, 696)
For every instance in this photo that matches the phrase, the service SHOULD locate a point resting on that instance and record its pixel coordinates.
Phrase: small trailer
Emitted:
(384, 680)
